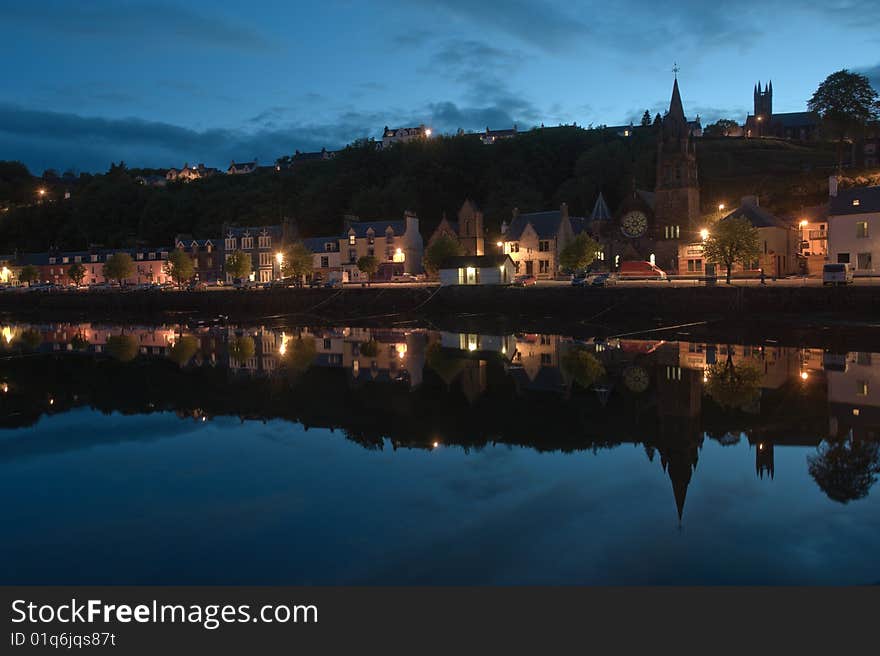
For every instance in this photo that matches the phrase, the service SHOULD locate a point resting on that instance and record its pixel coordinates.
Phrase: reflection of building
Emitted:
(854, 396)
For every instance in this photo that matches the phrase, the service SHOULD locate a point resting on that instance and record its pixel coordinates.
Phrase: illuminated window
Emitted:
(862, 388)
(861, 229)
(352, 240)
(856, 202)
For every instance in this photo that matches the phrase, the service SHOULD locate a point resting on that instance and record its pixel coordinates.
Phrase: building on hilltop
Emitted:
(241, 168)
(489, 137)
(802, 126)
(404, 135)
(189, 173)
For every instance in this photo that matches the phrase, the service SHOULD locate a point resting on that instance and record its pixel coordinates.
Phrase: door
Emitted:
(530, 269)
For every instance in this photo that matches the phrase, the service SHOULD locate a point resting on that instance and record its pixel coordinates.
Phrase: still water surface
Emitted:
(215, 454)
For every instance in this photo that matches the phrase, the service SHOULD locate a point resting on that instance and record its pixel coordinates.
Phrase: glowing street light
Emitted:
(704, 234)
(721, 207)
(427, 132)
(804, 375)
(803, 224)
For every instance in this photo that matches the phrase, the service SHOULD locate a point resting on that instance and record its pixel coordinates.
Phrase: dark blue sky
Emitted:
(157, 83)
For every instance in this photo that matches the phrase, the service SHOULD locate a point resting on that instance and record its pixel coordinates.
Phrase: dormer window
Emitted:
(856, 202)
(352, 239)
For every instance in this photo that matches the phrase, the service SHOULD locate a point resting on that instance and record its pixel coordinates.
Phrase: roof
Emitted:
(379, 227)
(501, 133)
(476, 261)
(546, 224)
(253, 231)
(319, 244)
(795, 119)
(242, 164)
(757, 216)
(868, 201)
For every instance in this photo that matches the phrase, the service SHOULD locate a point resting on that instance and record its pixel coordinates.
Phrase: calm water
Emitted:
(215, 454)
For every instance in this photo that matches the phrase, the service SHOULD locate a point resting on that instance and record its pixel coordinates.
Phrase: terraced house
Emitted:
(261, 243)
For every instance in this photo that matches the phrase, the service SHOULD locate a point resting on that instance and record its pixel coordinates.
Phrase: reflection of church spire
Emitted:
(764, 460)
(679, 464)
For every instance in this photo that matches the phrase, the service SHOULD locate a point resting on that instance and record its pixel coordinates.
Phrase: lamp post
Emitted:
(279, 259)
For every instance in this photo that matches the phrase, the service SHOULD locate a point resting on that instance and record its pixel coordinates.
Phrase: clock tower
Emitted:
(677, 192)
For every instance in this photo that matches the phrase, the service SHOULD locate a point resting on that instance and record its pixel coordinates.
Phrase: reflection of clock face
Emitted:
(634, 224)
(636, 379)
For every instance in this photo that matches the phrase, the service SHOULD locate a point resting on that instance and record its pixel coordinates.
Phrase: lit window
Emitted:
(861, 229)
(352, 240)
(856, 202)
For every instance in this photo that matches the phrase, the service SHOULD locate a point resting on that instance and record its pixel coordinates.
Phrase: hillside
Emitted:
(536, 170)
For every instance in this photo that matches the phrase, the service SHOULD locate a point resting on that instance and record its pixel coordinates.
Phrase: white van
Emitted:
(837, 274)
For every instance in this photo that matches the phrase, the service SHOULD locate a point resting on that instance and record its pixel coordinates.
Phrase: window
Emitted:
(371, 251)
(695, 265)
(865, 262)
(672, 232)
(265, 259)
(543, 266)
(352, 240)
(389, 237)
(264, 241)
(861, 229)
(94, 258)
(77, 259)
(247, 243)
(546, 359)
(151, 256)
(65, 260)
(856, 202)
(843, 258)
(352, 255)
(328, 344)
(544, 246)
(163, 255)
(51, 260)
(516, 267)
(862, 388)
(230, 243)
(514, 247)
(209, 247)
(140, 256)
(325, 262)
(265, 275)
(328, 247)
(209, 262)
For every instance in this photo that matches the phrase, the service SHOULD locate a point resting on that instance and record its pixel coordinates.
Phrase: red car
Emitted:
(525, 281)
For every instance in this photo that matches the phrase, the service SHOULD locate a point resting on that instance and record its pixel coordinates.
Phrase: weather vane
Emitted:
(675, 69)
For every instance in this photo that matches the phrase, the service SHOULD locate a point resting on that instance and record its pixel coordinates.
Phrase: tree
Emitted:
(845, 469)
(183, 349)
(299, 354)
(239, 265)
(180, 266)
(368, 264)
(734, 386)
(123, 348)
(845, 102)
(646, 119)
(76, 273)
(723, 127)
(118, 267)
(579, 253)
(732, 240)
(582, 366)
(29, 274)
(297, 261)
(438, 252)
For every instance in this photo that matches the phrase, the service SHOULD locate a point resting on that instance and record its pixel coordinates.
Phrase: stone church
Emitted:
(650, 225)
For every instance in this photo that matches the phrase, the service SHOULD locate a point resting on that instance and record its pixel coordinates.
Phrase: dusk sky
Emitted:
(161, 83)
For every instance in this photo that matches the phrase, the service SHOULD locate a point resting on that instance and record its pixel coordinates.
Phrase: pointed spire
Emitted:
(676, 110)
(600, 210)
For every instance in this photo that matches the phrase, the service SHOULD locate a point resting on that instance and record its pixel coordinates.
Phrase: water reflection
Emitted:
(420, 388)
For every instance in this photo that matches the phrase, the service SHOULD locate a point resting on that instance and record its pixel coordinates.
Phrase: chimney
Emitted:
(504, 227)
(563, 210)
(832, 186)
(750, 200)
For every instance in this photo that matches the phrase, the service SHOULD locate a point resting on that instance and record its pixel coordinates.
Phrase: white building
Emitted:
(477, 270)
(854, 228)
(403, 135)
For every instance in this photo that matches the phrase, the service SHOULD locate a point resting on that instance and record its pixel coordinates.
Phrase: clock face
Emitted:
(634, 224)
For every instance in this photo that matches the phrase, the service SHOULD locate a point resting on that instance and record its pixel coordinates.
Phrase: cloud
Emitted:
(53, 139)
(152, 22)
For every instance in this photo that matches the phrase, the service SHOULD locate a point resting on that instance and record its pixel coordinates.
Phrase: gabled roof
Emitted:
(758, 216)
(868, 201)
(379, 227)
(546, 224)
(476, 261)
(796, 119)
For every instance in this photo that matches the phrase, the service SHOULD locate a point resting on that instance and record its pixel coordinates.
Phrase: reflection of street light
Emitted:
(279, 258)
(704, 234)
(721, 207)
(804, 375)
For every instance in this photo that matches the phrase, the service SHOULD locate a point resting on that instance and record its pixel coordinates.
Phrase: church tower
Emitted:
(470, 228)
(677, 192)
(764, 101)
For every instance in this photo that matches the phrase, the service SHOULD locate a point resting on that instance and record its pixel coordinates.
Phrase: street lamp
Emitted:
(704, 234)
(279, 258)
(721, 207)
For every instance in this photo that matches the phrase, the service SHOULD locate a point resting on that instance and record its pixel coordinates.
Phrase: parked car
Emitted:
(404, 277)
(580, 280)
(837, 274)
(641, 270)
(197, 286)
(603, 280)
(525, 281)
